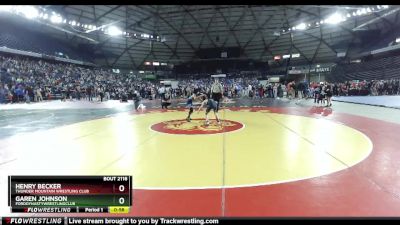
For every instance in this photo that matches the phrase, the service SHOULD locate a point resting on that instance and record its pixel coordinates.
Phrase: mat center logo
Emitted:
(196, 126)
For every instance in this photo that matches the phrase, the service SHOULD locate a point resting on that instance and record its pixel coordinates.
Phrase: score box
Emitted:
(68, 194)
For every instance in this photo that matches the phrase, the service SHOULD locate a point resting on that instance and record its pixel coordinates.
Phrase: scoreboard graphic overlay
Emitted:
(69, 194)
(78, 194)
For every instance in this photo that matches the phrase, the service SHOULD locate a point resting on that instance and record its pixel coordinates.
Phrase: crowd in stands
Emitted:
(30, 80)
(373, 87)
(322, 91)
(26, 80)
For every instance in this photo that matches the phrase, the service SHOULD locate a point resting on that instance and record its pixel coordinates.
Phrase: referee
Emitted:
(216, 92)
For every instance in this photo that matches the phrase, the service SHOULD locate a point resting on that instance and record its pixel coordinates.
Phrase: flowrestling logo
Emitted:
(196, 126)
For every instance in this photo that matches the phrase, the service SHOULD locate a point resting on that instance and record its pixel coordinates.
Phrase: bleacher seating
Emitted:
(377, 69)
(20, 38)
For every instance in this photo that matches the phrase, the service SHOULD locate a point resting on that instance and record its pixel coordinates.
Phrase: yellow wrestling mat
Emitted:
(261, 148)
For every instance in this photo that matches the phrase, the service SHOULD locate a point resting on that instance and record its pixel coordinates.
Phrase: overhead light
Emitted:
(363, 11)
(318, 66)
(348, 15)
(397, 40)
(358, 12)
(65, 21)
(45, 16)
(297, 55)
(378, 6)
(286, 56)
(156, 63)
(56, 19)
(301, 26)
(309, 25)
(73, 23)
(368, 9)
(141, 71)
(114, 31)
(28, 11)
(289, 29)
(385, 6)
(354, 14)
(85, 26)
(147, 63)
(90, 27)
(334, 19)
(78, 24)
(317, 23)
(6, 8)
